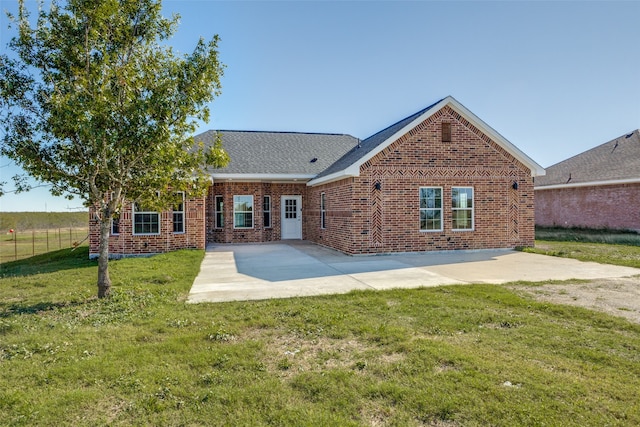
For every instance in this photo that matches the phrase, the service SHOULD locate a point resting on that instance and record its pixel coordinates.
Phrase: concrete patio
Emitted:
(298, 268)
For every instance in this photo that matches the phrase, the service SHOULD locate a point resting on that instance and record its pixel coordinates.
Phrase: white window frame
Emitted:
(425, 208)
(135, 212)
(266, 212)
(179, 212)
(236, 200)
(323, 211)
(217, 212)
(465, 208)
(115, 221)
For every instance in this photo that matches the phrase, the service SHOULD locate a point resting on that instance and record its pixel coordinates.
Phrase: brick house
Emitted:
(440, 179)
(599, 188)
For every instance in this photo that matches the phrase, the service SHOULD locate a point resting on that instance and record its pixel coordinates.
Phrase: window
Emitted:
(218, 207)
(266, 211)
(145, 221)
(115, 225)
(430, 209)
(323, 211)
(242, 211)
(462, 208)
(115, 220)
(178, 213)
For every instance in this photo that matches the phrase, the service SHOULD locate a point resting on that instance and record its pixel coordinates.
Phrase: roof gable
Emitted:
(349, 164)
(372, 143)
(615, 161)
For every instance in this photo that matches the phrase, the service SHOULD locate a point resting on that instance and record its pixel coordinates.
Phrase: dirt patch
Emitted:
(291, 353)
(618, 297)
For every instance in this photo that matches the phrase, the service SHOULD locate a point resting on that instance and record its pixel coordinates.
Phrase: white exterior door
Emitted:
(291, 217)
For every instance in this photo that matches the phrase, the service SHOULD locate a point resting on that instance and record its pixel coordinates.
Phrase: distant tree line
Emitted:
(42, 220)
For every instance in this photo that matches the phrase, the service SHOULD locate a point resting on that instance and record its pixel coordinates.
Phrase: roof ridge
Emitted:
(416, 114)
(282, 132)
(625, 135)
(613, 160)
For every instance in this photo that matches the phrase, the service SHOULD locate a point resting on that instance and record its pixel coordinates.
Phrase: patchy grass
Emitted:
(450, 356)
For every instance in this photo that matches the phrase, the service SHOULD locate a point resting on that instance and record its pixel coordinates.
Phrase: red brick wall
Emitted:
(340, 210)
(387, 220)
(258, 233)
(126, 243)
(606, 206)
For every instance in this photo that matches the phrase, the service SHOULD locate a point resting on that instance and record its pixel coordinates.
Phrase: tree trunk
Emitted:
(104, 282)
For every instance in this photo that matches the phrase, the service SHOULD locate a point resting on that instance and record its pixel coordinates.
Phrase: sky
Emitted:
(555, 78)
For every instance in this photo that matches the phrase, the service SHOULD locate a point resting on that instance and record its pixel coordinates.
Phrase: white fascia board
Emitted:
(589, 184)
(393, 138)
(349, 172)
(536, 169)
(354, 169)
(253, 177)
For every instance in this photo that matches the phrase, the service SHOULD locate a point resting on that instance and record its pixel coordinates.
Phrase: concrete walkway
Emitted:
(299, 268)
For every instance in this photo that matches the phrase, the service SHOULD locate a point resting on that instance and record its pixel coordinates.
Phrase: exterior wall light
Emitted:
(378, 186)
(514, 185)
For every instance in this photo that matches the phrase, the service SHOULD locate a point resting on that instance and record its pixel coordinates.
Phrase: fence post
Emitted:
(15, 244)
(47, 240)
(33, 242)
(59, 239)
(70, 238)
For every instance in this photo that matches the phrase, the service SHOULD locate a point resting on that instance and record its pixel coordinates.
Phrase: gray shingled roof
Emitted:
(369, 144)
(254, 152)
(291, 153)
(617, 159)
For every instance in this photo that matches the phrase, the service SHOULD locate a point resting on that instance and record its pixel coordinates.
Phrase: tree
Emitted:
(96, 106)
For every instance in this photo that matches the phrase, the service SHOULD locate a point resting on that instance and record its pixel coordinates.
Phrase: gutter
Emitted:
(588, 184)
(350, 172)
(277, 177)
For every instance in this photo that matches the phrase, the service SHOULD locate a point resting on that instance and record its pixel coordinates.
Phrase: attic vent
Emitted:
(315, 159)
(446, 132)
(629, 136)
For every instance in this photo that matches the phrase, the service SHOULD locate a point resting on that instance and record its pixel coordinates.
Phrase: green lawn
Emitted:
(597, 252)
(588, 235)
(452, 356)
(603, 246)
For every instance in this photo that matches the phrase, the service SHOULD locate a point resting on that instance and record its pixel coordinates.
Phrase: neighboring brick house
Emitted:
(599, 188)
(440, 179)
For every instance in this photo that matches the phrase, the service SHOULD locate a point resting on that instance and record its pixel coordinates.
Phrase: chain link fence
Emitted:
(20, 244)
